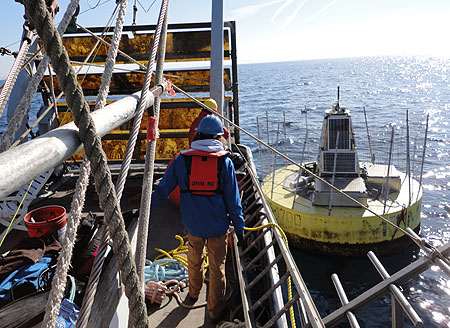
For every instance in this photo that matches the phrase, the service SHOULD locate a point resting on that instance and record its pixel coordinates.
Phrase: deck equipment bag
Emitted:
(28, 279)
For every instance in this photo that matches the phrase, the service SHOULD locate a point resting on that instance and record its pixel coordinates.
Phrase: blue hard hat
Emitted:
(210, 125)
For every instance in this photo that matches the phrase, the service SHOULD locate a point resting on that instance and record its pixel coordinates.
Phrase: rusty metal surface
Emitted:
(126, 83)
(181, 46)
(166, 149)
(176, 117)
(349, 250)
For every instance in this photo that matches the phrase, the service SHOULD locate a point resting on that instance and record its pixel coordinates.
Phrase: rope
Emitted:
(175, 253)
(417, 241)
(24, 104)
(54, 302)
(164, 270)
(84, 63)
(92, 144)
(106, 43)
(62, 267)
(111, 59)
(94, 277)
(52, 92)
(15, 214)
(141, 106)
(144, 209)
(12, 76)
(170, 258)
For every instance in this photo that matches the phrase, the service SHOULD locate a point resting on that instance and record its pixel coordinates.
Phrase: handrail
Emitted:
(380, 289)
(311, 310)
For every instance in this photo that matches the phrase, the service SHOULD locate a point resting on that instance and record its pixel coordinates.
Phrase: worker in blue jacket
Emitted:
(209, 202)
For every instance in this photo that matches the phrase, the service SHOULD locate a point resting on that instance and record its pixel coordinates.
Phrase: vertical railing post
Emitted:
(216, 80)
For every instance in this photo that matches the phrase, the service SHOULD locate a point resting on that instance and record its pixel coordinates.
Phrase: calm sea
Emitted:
(388, 88)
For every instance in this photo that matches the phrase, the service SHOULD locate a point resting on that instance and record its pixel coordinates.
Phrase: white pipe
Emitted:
(23, 163)
(216, 79)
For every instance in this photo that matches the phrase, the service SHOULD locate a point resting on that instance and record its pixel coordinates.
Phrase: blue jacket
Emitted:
(203, 216)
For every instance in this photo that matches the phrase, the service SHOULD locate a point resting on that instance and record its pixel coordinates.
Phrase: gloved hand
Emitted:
(240, 238)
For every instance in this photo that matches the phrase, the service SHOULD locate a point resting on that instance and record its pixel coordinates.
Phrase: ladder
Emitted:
(11, 204)
(265, 254)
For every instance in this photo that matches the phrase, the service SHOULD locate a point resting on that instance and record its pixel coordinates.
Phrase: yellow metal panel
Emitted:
(176, 117)
(127, 83)
(181, 46)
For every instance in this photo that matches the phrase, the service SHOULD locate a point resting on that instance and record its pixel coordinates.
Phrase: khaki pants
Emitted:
(217, 251)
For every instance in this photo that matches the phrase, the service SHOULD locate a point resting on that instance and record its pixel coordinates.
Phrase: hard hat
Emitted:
(210, 125)
(211, 103)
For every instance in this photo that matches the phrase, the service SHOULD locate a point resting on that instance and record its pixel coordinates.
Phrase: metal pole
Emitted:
(234, 70)
(344, 300)
(260, 149)
(216, 79)
(300, 171)
(396, 293)
(372, 156)
(275, 161)
(386, 188)
(442, 264)
(23, 163)
(408, 159)
(423, 154)
(307, 133)
(330, 205)
(269, 168)
(284, 130)
(375, 292)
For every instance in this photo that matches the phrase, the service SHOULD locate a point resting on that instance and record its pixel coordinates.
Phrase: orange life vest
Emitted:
(203, 169)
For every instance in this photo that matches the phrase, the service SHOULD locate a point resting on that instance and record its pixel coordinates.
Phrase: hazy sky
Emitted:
(280, 30)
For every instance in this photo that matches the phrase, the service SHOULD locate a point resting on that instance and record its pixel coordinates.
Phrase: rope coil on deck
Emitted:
(92, 143)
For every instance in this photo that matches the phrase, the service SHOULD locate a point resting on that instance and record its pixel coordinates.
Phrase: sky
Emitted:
(282, 30)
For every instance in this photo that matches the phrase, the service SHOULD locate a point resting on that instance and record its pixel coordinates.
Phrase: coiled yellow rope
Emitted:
(182, 249)
(178, 254)
(175, 253)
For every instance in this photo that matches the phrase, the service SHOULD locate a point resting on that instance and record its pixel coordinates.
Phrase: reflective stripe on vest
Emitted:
(203, 169)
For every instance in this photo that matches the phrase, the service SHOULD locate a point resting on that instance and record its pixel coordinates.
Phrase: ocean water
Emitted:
(388, 88)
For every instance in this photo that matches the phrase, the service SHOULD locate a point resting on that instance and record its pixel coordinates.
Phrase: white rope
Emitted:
(111, 59)
(147, 181)
(141, 106)
(24, 105)
(73, 221)
(59, 280)
(100, 102)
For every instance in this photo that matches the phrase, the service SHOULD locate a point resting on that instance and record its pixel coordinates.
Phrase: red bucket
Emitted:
(46, 221)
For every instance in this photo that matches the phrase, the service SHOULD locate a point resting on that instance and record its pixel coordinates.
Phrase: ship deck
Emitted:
(165, 223)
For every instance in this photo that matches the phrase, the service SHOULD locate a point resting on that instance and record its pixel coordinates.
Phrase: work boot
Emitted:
(189, 300)
(221, 317)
